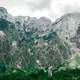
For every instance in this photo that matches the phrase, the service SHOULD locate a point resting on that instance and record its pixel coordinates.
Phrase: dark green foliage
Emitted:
(11, 33)
(21, 75)
(51, 35)
(3, 24)
(4, 46)
(3, 67)
(68, 74)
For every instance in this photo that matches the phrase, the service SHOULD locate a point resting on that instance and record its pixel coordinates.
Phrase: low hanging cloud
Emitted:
(37, 8)
(38, 4)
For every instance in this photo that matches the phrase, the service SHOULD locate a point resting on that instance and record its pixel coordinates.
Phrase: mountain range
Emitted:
(27, 42)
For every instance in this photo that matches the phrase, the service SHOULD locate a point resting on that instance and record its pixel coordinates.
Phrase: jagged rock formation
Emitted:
(30, 42)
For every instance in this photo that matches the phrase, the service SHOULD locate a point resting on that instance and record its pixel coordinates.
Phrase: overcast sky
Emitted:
(37, 8)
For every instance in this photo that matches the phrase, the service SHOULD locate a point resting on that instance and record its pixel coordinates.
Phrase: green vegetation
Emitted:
(68, 74)
(16, 74)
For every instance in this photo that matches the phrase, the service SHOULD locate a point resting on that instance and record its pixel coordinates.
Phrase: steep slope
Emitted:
(29, 43)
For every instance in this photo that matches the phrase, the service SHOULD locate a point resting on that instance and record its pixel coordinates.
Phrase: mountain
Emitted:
(66, 27)
(27, 42)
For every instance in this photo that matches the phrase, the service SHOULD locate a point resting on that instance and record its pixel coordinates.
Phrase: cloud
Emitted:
(71, 9)
(37, 8)
(38, 4)
(61, 7)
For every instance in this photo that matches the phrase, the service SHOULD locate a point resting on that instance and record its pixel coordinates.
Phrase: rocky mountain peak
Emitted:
(3, 10)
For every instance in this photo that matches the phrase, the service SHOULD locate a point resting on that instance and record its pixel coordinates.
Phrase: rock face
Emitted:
(67, 27)
(5, 15)
(3, 12)
(37, 42)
